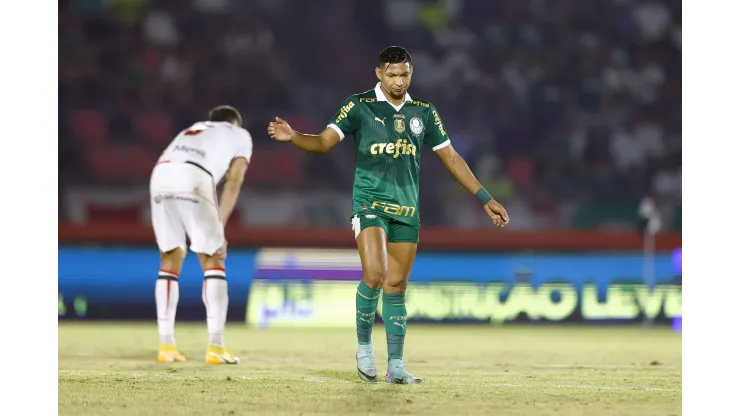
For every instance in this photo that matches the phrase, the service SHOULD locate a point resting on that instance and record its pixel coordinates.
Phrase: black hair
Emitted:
(393, 55)
(225, 113)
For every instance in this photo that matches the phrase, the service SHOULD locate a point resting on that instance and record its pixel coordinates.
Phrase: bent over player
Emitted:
(184, 202)
(389, 127)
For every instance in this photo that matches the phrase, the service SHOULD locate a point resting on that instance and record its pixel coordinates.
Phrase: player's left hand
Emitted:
(280, 130)
(497, 213)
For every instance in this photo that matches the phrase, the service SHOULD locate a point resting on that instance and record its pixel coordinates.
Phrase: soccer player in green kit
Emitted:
(389, 127)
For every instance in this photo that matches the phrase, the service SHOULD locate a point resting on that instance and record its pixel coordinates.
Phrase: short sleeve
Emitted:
(436, 136)
(244, 144)
(345, 121)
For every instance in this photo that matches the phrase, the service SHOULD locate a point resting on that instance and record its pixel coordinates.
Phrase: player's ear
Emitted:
(378, 73)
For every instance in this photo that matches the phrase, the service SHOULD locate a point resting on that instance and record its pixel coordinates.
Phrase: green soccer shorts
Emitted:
(396, 231)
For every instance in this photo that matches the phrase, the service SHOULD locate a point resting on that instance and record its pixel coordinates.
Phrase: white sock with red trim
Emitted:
(166, 295)
(216, 299)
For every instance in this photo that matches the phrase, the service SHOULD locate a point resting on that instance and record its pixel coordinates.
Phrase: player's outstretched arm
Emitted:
(232, 187)
(459, 169)
(280, 130)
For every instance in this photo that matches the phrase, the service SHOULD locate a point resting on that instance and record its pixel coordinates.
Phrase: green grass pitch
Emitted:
(111, 369)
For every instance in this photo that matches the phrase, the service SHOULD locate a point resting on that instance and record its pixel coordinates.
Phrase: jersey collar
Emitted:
(381, 97)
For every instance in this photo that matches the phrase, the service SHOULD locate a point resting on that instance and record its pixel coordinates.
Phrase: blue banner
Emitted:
(118, 283)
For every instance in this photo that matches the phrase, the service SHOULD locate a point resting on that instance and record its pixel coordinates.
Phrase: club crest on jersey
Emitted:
(416, 126)
(399, 125)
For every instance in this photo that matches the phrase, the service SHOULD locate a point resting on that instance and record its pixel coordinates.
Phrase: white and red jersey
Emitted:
(211, 145)
(183, 185)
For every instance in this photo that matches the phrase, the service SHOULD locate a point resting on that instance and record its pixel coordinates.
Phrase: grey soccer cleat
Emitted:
(397, 374)
(366, 364)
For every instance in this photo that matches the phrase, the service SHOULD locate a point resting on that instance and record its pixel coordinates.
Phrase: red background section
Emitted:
(432, 238)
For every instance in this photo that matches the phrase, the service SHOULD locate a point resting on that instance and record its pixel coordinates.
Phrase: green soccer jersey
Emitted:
(388, 143)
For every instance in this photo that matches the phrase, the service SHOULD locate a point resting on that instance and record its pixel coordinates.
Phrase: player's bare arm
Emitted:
(459, 169)
(232, 188)
(280, 130)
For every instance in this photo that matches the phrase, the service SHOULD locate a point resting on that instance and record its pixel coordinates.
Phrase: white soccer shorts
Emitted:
(183, 203)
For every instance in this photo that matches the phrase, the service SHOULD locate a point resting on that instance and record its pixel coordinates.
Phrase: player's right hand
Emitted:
(221, 253)
(280, 130)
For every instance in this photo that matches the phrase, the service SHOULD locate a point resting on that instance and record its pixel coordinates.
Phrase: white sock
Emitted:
(166, 294)
(216, 299)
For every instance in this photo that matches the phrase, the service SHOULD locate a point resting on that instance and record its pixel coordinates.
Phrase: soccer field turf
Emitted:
(110, 368)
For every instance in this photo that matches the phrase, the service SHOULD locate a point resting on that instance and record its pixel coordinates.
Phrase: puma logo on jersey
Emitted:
(381, 121)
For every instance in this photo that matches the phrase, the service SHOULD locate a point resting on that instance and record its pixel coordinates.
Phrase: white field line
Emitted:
(325, 380)
(478, 364)
(481, 364)
(609, 367)
(174, 376)
(82, 373)
(581, 387)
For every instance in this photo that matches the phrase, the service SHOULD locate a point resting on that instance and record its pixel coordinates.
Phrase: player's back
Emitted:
(209, 145)
(199, 157)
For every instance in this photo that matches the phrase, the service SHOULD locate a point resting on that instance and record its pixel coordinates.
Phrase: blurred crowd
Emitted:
(568, 110)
